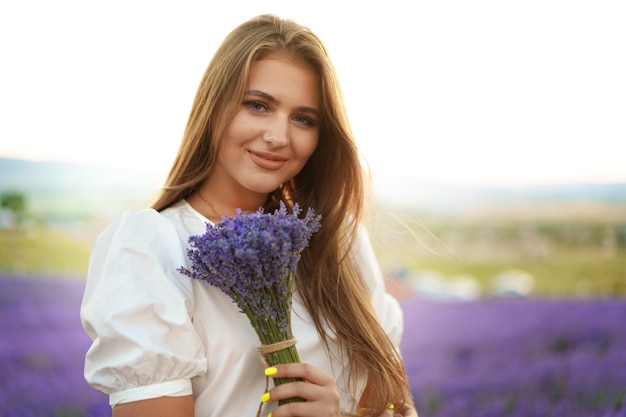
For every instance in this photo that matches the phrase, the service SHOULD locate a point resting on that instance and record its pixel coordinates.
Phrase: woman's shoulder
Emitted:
(179, 219)
(139, 241)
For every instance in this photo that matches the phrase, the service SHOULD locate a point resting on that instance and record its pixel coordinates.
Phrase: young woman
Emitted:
(267, 124)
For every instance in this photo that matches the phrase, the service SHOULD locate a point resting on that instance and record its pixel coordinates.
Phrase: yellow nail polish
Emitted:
(269, 415)
(265, 398)
(390, 406)
(270, 371)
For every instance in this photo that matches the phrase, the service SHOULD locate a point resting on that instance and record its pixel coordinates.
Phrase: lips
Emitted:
(267, 160)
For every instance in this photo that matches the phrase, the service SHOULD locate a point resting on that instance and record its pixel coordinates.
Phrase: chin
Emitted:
(263, 189)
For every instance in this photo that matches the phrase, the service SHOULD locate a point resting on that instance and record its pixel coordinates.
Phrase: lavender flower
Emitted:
(252, 257)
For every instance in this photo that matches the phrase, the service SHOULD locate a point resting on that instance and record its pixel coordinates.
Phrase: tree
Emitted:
(14, 201)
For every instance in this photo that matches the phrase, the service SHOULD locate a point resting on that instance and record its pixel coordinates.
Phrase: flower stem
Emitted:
(287, 355)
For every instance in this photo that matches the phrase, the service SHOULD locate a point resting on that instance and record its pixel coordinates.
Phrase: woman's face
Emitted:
(273, 133)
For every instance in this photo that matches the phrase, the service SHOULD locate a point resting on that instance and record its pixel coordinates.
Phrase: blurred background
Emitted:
(494, 133)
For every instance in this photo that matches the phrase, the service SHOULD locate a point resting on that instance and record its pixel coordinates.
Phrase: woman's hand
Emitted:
(405, 411)
(319, 389)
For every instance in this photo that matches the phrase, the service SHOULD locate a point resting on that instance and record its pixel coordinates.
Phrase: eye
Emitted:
(304, 120)
(256, 106)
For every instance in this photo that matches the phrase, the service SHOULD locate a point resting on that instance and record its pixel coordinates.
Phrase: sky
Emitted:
(462, 92)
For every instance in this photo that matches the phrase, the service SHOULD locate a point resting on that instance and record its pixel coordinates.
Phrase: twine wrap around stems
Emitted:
(275, 347)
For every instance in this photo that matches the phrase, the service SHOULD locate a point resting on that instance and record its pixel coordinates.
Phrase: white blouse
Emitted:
(157, 332)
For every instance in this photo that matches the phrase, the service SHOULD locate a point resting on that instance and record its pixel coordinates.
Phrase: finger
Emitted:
(300, 370)
(320, 400)
(304, 390)
(406, 411)
(307, 409)
(387, 413)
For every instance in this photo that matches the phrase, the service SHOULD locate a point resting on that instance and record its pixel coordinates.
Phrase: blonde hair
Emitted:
(332, 182)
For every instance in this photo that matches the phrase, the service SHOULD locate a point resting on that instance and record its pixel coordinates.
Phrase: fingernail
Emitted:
(270, 371)
(269, 415)
(265, 398)
(390, 406)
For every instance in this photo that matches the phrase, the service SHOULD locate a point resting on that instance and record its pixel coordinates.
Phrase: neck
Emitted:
(214, 207)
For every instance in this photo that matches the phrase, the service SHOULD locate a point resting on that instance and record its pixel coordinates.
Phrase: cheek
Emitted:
(308, 147)
(239, 127)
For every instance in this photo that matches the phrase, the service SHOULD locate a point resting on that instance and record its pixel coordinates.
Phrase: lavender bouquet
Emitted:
(252, 257)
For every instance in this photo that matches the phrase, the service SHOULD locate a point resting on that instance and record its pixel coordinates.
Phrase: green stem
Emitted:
(287, 355)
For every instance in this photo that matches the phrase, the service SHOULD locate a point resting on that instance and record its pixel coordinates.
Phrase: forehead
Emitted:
(283, 76)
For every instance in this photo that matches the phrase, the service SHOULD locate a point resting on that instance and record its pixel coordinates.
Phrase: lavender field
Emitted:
(517, 357)
(42, 346)
(494, 357)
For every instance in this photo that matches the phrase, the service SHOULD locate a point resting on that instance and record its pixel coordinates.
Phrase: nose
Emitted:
(276, 132)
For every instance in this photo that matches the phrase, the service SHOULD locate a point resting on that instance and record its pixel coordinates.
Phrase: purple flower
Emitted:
(252, 257)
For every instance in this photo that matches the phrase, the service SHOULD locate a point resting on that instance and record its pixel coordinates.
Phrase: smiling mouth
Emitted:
(267, 161)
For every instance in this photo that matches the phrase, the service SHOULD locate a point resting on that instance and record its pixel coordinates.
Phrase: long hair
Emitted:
(332, 182)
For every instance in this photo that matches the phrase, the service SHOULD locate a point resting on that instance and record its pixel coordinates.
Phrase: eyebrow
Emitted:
(273, 99)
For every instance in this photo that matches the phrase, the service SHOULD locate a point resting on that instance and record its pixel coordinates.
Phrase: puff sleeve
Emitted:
(137, 309)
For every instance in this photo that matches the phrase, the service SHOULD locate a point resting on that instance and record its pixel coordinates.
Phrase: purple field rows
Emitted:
(42, 348)
(517, 357)
(500, 357)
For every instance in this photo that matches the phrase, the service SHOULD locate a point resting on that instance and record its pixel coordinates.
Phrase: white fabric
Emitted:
(175, 388)
(157, 332)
